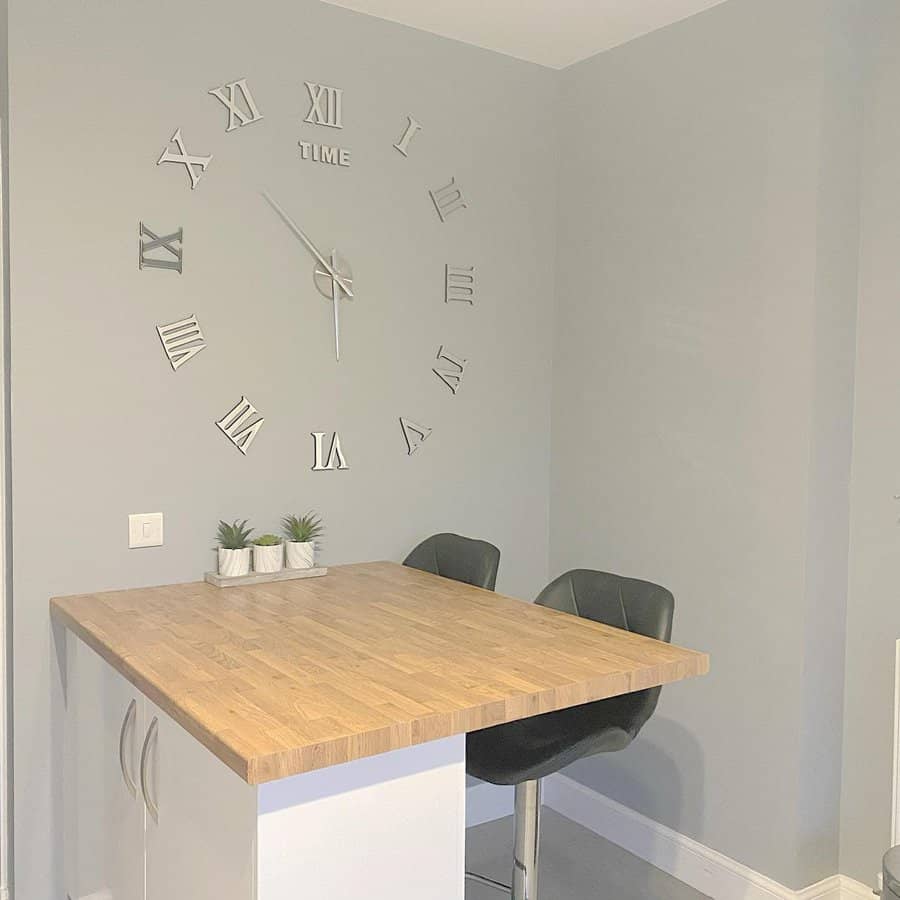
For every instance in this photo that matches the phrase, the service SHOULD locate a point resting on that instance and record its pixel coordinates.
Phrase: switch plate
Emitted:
(145, 530)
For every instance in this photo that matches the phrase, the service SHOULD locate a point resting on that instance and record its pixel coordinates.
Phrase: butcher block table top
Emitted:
(283, 678)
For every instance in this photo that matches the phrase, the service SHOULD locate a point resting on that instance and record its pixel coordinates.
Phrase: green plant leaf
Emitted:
(233, 536)
(303, 529)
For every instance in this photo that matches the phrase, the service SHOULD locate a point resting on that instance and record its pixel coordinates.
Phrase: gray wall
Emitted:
(6, 857)
(703, 397)
(683, 210)
(873, 620)
(102, 427)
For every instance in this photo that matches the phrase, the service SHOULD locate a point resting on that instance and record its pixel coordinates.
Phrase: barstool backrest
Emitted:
(457, 557)
(628, 603)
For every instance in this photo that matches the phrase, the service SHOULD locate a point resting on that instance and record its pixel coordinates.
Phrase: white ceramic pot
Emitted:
(233, 563)
(268, 559)
(300, 554)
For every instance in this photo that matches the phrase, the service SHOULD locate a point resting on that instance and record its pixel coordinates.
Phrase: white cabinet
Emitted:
(200, 843)
(150, 813)
(103, 808)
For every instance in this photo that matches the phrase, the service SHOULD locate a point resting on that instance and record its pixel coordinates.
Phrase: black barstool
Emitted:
(523, 752)
(460, 558)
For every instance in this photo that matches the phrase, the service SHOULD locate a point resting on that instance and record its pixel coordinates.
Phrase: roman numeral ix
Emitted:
(414, 434)
(182, 340)
(169, 245)
(183, 158)
(447, 200)
(228, 96)
(326, 105)
(236, 424)
(451, 374)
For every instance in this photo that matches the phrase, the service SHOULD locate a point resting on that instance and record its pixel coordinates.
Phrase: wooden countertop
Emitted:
(282, 678)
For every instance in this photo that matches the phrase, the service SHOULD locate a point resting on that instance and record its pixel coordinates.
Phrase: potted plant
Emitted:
(268, 553)
(301, 532)
(234, 548)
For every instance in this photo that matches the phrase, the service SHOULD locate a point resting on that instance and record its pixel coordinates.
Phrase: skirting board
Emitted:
(704, 869)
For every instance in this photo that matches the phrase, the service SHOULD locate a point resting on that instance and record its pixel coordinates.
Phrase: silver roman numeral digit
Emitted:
(236, 424)
(451, 374)
(326, 105)
(236, 115)
(169, 246)
(414, 434)
(183, 158)
(412, 129)
(182, 340)
(459, 284)
(447, 200)
(335, 454)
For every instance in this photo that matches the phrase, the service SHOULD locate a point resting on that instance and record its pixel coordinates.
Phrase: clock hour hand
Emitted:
(338, 280)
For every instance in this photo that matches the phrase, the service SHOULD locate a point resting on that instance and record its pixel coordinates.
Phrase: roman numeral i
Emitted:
(412, 128)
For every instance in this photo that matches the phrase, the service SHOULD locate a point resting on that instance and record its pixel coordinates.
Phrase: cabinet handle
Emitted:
(129, 719)
(152, 808)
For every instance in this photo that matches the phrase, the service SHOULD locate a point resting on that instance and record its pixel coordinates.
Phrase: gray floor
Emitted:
(575, 865)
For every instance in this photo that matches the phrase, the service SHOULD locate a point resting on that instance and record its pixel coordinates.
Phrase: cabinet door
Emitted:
(103, 809)
(201, 818)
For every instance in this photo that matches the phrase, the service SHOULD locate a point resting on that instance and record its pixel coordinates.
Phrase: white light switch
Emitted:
(145, 530)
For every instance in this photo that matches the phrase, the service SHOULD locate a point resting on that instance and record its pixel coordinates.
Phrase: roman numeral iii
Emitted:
(244, 113)
(237, 426)
(451, 373)
(326, 105)
(459, 284)
(167, 249)
(182, 340)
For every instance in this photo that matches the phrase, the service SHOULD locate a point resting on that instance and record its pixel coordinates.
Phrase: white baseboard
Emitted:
(704, 869)
(838, 887)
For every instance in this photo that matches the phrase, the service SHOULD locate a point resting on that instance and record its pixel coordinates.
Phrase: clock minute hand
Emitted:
(309, 244)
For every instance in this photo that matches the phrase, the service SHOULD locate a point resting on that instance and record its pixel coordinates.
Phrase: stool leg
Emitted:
(528, 833)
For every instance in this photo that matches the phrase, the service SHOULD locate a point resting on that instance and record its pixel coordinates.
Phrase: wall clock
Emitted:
(161, 249)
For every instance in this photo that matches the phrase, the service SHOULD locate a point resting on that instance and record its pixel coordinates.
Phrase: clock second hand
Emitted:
(336, 300)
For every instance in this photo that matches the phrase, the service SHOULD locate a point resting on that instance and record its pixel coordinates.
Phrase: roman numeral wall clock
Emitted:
(164, 252)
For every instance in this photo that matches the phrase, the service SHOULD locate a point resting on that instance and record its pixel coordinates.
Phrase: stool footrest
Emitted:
(489, 882)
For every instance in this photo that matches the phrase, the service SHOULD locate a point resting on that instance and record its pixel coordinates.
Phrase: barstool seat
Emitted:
(523, 752)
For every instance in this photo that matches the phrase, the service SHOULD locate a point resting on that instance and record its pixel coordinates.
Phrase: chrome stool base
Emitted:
(525, 851)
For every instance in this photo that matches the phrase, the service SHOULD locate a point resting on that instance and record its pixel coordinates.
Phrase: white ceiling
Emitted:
(554, 33)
